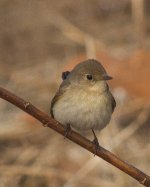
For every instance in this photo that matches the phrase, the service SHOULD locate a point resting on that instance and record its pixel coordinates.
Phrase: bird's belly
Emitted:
(84, 112)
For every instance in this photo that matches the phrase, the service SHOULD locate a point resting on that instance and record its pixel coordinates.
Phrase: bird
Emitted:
(83, 101)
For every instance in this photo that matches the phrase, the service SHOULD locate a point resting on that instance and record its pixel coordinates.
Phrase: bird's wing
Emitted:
(113, 103)
(65, 75)
(62, 89)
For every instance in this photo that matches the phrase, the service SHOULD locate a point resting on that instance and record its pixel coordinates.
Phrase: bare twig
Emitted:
(125, 134)
(75, 137)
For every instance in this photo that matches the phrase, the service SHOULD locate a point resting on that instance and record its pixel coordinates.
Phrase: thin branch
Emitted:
(75, 137)
(125, 134)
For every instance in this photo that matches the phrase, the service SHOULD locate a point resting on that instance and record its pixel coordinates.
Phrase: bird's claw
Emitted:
(96, 144)
(67, 130)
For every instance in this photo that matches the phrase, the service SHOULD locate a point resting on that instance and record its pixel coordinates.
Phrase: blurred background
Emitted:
(39, 40)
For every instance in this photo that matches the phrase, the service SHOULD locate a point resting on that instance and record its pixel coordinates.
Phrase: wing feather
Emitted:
(62, 89)
(113, 103)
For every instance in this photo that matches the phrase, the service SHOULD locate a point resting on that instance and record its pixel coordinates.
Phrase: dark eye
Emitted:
(89, 77)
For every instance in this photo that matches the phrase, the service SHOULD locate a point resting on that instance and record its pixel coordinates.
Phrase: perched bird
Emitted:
(83, 100)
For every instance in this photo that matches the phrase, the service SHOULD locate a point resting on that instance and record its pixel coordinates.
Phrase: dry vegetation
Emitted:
(38, 40)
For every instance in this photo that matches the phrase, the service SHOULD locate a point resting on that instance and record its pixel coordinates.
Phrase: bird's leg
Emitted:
(95, 142)
(67, 130)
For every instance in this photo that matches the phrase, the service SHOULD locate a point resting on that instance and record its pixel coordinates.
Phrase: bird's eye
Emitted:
(89, 77)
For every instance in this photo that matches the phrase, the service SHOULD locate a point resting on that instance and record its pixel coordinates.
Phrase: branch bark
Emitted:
(75, 137)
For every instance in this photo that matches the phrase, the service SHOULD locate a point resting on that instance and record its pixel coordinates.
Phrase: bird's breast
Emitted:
(83, 109)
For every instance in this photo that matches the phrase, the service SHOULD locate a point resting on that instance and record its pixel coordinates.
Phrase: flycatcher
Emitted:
(83, 100)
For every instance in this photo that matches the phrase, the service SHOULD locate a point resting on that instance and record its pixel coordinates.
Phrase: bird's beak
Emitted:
(107, 77)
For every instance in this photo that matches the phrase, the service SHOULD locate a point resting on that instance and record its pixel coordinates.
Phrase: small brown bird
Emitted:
(83, 100)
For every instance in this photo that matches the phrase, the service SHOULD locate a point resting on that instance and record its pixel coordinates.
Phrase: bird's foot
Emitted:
(96, 144)
(67, 130)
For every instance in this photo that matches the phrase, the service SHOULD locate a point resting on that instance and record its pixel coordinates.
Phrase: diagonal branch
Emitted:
(75, 137)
